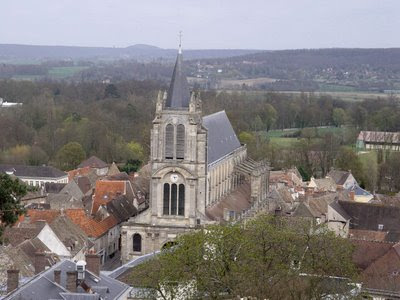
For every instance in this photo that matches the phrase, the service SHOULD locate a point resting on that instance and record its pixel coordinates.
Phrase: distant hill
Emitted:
(29, 53)
(309, 69)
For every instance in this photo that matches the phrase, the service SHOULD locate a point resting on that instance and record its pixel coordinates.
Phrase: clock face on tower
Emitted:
(174, 178)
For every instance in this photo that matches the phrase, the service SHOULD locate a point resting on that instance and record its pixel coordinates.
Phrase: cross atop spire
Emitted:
(180, 41)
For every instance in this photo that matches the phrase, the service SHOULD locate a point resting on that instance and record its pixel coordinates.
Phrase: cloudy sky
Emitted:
(257, 24)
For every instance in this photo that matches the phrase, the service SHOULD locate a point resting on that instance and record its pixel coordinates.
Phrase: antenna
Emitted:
(180, 41)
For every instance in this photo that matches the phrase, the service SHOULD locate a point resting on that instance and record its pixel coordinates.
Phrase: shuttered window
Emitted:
(169, 141)
(180, 142)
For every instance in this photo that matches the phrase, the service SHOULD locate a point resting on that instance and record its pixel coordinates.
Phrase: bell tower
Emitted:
(178, 155)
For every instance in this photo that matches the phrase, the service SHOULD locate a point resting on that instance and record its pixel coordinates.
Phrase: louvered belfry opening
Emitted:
(180, 142)
(174, 199)
(169, 141)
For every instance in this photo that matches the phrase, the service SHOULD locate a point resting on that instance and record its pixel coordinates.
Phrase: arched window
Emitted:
(174, 199)
(180, 142)
(174, 196)
(181, 204)
(166, 199)
(137, 242)
(169, 141)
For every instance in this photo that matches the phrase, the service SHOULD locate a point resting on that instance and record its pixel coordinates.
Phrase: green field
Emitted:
(63, 72)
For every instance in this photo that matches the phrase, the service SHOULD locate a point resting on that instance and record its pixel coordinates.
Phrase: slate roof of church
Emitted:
(222, 139)
(178, 94)
(33, 171)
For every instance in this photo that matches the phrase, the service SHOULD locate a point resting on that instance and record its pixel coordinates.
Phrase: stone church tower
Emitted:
(178, 156)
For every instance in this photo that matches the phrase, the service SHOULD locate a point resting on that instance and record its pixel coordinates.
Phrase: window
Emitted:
(169, 141)
(180, 142)
(137, 242)
(174, 199)
(166, 199)
(181, 204)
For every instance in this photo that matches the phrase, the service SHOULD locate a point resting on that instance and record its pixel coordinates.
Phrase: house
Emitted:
(104, 233)
(358, 194)
(373, 140)
(68, 280)
(316, 206)
(343, 179)
(326, 184)
(35, 175)
(95, 163)
(5, 104)
(365, 219)
(57, 232)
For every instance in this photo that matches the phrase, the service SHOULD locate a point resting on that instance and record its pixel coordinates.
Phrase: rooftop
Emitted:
(32, 171)
(222, 139)
(93, 162)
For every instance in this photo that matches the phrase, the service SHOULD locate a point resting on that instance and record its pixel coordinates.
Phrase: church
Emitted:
(200, 172)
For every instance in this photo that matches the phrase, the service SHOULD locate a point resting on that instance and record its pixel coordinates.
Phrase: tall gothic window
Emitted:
(181, 204)
(174, 199)
(137, 242)
(166, 199)
(180, 142)
(169, 141)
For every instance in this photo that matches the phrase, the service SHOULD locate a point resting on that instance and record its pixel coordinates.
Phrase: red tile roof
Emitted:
(90, 226)
(78, 172)
(41, 215)
(105, 191)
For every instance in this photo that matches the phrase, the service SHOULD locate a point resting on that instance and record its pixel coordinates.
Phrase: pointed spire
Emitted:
(178, 93)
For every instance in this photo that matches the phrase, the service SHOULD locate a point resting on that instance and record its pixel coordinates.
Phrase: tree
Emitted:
(339, 116)
(270, 257)
(70, 155)
(11, 191)
(348, 160)
(111, 91)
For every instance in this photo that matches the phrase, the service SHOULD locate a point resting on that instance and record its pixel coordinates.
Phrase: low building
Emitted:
(35, 175)
(68, 280)
(373, 140)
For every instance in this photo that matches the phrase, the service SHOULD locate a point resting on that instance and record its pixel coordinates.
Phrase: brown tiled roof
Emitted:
(17, 235)
(368, 235)
(42, 215)
(366, 252)
(239, 200)
(383, 273)
(79, 172)
(105, 191)
(93, 162)
(91, 227)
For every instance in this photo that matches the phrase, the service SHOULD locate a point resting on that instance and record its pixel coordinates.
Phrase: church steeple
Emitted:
(178, 93)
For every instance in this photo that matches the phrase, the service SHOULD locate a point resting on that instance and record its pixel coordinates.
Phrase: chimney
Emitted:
(352, 195)
(12, 280)
(71, 281)
(57, 276)
(93, 263)
(40, 262)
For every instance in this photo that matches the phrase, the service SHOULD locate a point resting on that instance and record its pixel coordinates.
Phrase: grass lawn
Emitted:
(283, 142)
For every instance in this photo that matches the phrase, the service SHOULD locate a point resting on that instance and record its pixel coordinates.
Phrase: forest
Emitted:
(60, 123)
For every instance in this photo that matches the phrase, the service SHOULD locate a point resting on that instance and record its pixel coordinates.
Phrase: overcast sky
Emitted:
(257, 24)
